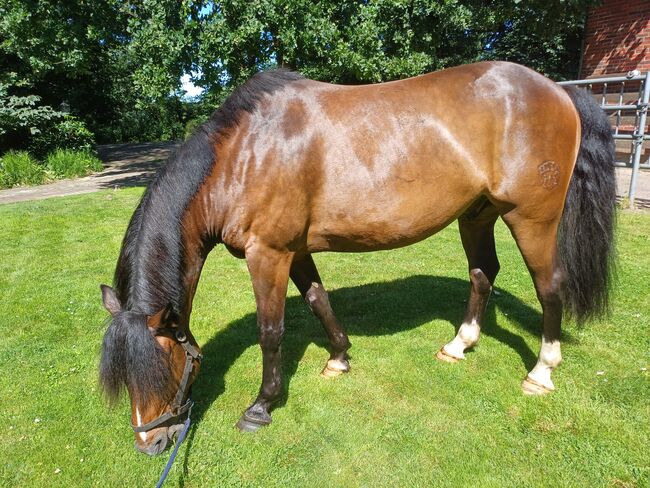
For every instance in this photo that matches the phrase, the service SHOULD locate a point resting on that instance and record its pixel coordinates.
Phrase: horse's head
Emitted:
(156, 362)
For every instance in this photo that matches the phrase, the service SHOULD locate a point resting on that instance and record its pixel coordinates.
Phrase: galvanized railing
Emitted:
(639, 106)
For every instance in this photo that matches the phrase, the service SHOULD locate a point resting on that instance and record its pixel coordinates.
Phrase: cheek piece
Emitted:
(179, 411)
(178, 408)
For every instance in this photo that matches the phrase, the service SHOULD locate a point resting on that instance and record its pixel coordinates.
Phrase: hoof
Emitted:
(334, 368)
(446, 357)
(531, 387)
(245, 424)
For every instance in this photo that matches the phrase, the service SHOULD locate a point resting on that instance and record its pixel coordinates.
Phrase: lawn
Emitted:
(400, 418)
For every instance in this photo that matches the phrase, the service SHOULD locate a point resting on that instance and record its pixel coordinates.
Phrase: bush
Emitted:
(67, 163)
(191, 126)
(69, 133)
(19, 168)
(21, 115)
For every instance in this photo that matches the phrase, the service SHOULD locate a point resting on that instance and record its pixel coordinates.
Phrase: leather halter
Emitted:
(178, 408)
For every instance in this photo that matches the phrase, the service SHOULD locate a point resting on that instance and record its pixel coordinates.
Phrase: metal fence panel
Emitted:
(640, 109)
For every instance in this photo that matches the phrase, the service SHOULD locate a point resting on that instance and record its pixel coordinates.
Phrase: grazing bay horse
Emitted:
(288, 167)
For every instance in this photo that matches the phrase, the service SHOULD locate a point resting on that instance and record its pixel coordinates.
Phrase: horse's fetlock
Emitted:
(469, 333)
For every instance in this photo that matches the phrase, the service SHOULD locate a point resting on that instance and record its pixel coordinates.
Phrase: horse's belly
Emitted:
(366, 227)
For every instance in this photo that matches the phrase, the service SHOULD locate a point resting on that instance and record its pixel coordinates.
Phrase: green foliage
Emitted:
(62, 52)
(19, 168)
(21, 116)
(117, 66)
(68, 163)
(161, 121)
(191, 126)
(69, 133)
(545, 36)
(380, 40)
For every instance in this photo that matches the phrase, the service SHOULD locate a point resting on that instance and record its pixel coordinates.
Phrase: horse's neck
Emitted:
(190, 278)
(199, 236)
(175, 226)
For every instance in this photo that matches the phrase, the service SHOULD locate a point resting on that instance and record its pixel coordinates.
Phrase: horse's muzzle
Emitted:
(163, 438)
(157, 445)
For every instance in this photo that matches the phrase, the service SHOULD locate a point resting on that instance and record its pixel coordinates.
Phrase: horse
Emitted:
(288, 167)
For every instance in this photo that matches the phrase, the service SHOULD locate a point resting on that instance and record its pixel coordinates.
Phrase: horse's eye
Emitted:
(163, 331)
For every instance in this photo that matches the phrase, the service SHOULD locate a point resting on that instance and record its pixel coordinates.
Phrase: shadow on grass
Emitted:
(374, 309)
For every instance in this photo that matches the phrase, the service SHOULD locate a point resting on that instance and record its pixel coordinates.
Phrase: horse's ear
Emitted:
(111, 303)
(165, 318)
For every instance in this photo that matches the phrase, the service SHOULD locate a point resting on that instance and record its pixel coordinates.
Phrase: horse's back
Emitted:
(380, 166)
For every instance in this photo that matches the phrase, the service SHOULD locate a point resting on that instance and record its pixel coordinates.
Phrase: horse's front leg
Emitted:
(269, 270)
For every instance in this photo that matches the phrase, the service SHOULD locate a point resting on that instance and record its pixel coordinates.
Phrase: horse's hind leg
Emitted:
(537, 241)
(305, 276)
(477, 235)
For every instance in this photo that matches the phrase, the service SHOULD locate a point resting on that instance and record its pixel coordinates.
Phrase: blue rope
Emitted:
(180, 440)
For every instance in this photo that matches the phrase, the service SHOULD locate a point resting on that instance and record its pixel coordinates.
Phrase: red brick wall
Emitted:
(617, 38)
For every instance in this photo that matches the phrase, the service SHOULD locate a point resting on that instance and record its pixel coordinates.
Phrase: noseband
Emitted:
(178, 408)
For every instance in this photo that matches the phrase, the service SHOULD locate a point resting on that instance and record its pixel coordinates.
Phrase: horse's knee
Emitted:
(480, 282)
(316, 298)
(270, 335)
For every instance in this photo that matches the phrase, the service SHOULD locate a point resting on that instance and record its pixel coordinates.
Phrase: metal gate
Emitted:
(619, 96)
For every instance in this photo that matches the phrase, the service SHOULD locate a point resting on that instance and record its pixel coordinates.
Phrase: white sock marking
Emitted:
(468, 335)
(549, 358)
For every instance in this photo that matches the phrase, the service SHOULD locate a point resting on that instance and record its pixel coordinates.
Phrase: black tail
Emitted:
(586, 233)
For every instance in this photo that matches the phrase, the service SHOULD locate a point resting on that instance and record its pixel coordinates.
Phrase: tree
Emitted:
(370, 41)
(117, 64)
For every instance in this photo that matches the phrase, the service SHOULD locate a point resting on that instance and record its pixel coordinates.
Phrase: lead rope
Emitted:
(181, 438)
(191, 354)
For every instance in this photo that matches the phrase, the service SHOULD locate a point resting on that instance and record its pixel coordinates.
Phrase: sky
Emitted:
(191, 90)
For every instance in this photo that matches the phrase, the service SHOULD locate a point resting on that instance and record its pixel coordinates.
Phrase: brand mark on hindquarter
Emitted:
(549, 174)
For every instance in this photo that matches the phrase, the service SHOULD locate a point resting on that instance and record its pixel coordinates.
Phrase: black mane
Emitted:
(148, 275)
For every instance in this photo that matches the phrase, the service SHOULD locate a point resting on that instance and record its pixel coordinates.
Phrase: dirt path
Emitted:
(135, 164)
(125, 165)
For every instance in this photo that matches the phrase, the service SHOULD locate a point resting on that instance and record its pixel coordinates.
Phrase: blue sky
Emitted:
(191, 90)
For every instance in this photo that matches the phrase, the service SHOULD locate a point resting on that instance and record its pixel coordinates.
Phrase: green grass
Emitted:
(69, 163)
(19, 168)
(400, 418)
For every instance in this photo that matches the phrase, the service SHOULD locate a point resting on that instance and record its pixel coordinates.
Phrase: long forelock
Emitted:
(133, 359)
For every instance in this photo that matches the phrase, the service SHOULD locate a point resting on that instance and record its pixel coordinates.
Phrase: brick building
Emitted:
(617, 38)
(617, 41)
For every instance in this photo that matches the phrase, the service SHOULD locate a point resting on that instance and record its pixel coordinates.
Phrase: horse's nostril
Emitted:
(174, 431)
(155, 447)
(159, 444)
